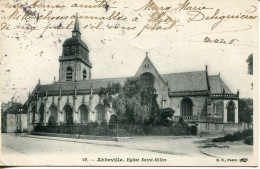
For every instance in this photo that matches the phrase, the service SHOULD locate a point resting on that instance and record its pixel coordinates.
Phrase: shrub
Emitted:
(235, 136)
(249, 140)
(181, 129)
(220, 139)
(248, 132)
(94, 124)
(238, 136)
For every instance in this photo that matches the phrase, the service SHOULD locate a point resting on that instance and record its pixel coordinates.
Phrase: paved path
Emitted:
(66, 151)
(43, 150)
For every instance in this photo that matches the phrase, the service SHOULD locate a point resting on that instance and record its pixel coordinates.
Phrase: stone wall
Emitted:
(219, 128)
(77, 70)
(199, 105)
(74, 102)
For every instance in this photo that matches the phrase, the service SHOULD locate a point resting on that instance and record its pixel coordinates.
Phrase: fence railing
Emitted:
(109, 130)
(224, 96)
(210, 119)
(189, 119)
(186, 118)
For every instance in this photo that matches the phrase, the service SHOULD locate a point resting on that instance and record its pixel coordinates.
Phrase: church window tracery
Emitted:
(186, 107)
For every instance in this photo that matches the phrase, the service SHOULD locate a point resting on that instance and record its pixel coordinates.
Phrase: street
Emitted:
(40, 150)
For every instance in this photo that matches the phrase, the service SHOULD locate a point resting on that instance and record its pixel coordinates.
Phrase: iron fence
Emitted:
(109, 130)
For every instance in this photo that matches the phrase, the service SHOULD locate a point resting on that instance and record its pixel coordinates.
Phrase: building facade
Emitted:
(196, 96)
(15, 119)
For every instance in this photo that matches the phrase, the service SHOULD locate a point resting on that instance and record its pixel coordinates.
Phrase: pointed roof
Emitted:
(148, 66)
(76, 25)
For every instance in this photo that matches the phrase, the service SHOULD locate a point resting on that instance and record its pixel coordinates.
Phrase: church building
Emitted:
(202, 100)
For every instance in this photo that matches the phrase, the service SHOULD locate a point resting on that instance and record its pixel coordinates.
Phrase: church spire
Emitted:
(76, 32)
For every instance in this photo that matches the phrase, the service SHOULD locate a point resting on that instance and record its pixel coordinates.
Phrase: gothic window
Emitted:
(100, 112)
(83, 109)
(84, 74)
(186, 107)
(33, 111)
(53, 110)
(41, 110)
(66, 51)
(231, 112)
(69, 74)
(68, 115)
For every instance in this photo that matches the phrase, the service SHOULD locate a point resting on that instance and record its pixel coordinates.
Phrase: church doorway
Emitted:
(193, 130)
(52, 121)
(68, 115)
(231, 112)
(113, 119)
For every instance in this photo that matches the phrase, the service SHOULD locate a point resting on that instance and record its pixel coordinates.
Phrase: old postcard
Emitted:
(129, 83)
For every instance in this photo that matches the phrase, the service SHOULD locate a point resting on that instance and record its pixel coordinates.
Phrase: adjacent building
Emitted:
(14, 117)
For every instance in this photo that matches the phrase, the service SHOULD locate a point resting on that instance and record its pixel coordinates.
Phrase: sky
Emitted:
(26, 58)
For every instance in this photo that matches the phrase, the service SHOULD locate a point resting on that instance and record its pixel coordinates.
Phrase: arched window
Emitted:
(83, 109)
(186, 107)
(33, 111)
(53, 115)
(41, 113)
(84, 74)
(68, 115)
(69, 74)
(231, 112)
(100, 109)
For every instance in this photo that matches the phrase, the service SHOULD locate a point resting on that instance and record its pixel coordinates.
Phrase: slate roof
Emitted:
(81, 85)
(75, 40)
(186, 81)
(217, 85)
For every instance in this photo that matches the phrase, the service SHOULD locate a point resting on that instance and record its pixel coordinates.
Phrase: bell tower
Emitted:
(74, 62)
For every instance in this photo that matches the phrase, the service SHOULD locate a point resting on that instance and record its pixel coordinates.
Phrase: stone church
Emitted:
(196, 96)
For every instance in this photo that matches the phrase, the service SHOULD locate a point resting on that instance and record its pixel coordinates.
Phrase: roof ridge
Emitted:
(183, 72)
(89, 80)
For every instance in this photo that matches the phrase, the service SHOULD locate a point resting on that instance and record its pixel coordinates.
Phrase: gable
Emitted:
(148, 67)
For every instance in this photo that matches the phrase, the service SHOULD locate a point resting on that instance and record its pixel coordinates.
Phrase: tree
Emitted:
(165, 116)
(245, 110)
(250, 66)
(132, 100)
